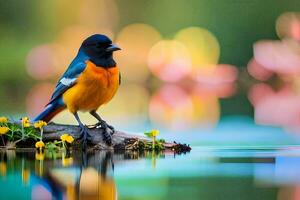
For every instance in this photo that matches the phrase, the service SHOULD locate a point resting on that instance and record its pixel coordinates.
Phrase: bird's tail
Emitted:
(49, 112)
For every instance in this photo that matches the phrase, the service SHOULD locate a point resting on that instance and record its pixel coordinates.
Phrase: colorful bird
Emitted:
(91, 80)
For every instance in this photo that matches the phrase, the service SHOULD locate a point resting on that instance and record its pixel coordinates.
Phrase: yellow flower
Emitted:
(70, 139)
(63, 137)
(3, 130)
(25, 122)
(66, 138)
(67, 161)
(40, 124)
(3, 120)
(39, 156)
(39, 145)
(3, 168)
(155, 132)
(25, 175)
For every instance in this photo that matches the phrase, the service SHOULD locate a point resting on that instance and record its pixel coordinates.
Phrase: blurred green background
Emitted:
(38, 39)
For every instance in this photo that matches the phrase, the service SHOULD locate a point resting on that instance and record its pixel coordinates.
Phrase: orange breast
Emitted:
(95, 87)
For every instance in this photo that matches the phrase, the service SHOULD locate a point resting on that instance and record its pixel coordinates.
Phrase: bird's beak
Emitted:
(112, 48)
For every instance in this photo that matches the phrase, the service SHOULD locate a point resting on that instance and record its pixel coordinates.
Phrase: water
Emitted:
(204, 173)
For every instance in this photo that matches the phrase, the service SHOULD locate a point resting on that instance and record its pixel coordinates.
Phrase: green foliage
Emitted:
(142, 145)
(55, 145)
(152, 134)
(12, 132)
(148, 134)
(17, 132)
(156, 145)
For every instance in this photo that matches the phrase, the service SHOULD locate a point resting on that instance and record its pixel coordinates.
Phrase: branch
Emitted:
(120, 140)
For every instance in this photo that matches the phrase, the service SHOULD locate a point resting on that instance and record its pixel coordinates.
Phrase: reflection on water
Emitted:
(204, 173)
(52, 175)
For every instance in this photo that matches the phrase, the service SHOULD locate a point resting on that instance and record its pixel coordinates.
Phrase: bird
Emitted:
(91, 80)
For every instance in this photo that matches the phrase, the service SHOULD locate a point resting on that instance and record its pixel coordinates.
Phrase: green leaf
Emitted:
(148, 134)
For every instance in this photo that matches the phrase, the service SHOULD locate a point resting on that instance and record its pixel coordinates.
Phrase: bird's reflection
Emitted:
(64, 175)
(91, 178)
(96, 182)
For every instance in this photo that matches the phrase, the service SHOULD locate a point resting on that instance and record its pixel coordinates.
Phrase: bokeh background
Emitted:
(207, 71)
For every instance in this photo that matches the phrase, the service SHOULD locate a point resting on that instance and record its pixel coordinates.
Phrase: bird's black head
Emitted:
(100, 50)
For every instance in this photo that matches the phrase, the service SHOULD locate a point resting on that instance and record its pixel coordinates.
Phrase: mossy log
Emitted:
(120, 140)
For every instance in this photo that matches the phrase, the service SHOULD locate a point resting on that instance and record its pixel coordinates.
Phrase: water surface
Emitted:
(204, 173)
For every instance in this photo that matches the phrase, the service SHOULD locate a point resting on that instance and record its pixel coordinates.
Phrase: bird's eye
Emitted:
(98, 45)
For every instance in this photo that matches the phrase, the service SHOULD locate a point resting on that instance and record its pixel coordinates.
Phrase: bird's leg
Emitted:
(84, 134)
(101, 122)
(108, 130)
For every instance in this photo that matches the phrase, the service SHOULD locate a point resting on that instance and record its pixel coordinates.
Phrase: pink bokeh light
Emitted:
(258, 71)
(278, 108)
(41, 62)
(288, 25)
(220, 81)
(169, 60)
(282, 57)
(222, 73)
(171, 107)
(38, 97)
(219, 90)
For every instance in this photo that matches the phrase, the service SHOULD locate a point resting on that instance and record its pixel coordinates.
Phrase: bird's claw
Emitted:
(85, 136)
(108, 131)
(103, 124)
(107, 136)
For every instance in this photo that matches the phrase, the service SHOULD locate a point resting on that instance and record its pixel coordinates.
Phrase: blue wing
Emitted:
(69, 78)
